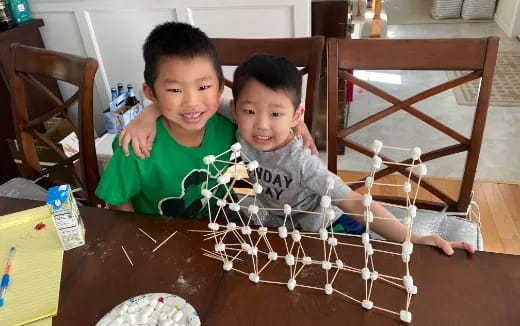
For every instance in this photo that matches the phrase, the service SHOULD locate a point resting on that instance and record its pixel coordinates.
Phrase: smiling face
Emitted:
(187, 93)
(265, 117)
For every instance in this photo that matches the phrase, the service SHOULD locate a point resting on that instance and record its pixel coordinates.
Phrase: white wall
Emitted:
(507, 16)
(113, 31)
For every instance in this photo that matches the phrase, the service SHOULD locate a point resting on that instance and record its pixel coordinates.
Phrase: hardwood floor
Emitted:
(499, 207)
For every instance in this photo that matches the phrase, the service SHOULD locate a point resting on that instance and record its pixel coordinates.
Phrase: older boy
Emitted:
(183, 78)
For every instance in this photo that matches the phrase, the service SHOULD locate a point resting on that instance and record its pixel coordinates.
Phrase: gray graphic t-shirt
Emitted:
(293, 176)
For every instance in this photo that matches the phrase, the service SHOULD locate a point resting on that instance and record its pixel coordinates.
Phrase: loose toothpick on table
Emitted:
(160, 244)
(127, 257)
(154, 241)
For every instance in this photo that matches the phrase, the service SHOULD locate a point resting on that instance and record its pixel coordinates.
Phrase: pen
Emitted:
(5, 279)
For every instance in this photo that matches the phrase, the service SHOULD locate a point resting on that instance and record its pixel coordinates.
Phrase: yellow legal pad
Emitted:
(36, 270)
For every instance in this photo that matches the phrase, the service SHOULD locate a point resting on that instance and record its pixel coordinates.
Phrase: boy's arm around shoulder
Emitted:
(140, 132)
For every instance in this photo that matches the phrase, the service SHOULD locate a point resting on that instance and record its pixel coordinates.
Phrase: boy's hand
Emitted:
(301, 131)
(141, 132)
(446, 246)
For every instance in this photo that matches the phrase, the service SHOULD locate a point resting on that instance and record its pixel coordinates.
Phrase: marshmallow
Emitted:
(220, 247)
(237, 176)
(365, 238)
(209, 159)
(330, 214)
(227, 266)
(177, 316)
(221, 203)
(413, 211)
(407, 187)
(365, 273)
(413, 290)
(245, 246)
(234, 207)
(407, 248)
(282, 232)
(369, 216)
(423, 170)
(415, 153)
(405, 258)
(328, 288)
(408, 282)
(326, 265)
(286, 209)
(143, 319)
(272, 255)
(368, 249)
(291, 284)
(367, 304)
(405, 316)
(223, 179)
(374, 275)
(325, 201)
(289, 259)
(262, 231)
(213, 226)
(231, 226)
(206, 193)
(236, 147)
(296, 236)
(367, 200)
(307, 260)
(339, 263)
(330, 183)
(333, 241)
(376, 163)
(377, 145)
(245, 230)
(253, 251)
(252, 209)
(257, 188)
(324, 235)
(253, 165)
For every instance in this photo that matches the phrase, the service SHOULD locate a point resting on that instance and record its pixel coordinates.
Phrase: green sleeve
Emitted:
(120, 181)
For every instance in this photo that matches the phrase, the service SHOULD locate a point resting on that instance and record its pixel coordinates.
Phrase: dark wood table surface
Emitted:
(479, 289)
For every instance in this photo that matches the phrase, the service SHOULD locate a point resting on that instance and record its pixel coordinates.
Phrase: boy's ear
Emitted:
(297, 117)
(148, 92)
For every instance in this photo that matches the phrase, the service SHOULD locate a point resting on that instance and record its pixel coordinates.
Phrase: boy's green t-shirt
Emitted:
(170, 181)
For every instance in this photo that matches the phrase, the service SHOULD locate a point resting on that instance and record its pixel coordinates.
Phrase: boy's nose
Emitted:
(261, 122)
(190, 98)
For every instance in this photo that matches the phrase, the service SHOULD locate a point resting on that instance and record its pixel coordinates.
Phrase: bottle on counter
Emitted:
(120, 89)
(113, 90)
(131, 100)
(6, 19)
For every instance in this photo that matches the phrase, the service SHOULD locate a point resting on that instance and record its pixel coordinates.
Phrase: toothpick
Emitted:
(127, 257)
(154, 241)
(168, 238)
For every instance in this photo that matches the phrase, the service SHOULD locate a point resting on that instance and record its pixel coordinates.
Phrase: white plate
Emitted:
(132, 311)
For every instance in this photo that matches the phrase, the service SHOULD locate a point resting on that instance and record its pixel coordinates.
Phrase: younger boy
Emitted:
(183, 78)
(266, 105)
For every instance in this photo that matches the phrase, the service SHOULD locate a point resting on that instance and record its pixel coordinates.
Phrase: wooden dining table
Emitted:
(463, 289)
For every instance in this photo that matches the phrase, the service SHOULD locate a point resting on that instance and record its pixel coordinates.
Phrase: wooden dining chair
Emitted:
(475, 55)
(27, 63)
(304, 52)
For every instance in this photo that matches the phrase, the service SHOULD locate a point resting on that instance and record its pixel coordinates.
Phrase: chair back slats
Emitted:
(30, 62)
(478, 56)
(303, 52)
(423, 54)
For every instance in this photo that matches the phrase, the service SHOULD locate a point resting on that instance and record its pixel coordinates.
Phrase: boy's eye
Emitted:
(249, 111)
(203, 87)
(174, 90)
(277, 114)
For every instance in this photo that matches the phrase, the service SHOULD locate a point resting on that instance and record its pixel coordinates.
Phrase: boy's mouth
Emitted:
(192, 116)
(262, 139)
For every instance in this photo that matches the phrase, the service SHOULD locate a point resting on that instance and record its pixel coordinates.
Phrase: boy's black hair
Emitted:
(173, 39)
(274, 72)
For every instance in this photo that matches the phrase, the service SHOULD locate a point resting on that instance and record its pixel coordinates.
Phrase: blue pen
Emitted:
(5, 279)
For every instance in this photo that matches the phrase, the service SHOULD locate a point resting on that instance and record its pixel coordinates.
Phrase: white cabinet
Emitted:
(113, 31)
